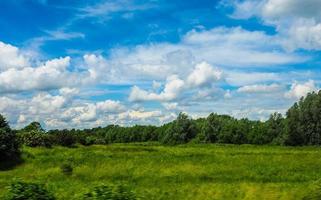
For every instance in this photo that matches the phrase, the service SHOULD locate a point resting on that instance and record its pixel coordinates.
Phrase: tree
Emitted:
(9, 145)
(34, 135)
(275, 128)
(213, 127)
(33, 126)
(303, 121)
(182, 130)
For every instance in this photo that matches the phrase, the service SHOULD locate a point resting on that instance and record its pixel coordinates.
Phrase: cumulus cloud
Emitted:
(11, 57)
(173, 88)
(16, 68)
(51, 75)
(298, 90)
(110, 106)
(203, 74)
(57, 111)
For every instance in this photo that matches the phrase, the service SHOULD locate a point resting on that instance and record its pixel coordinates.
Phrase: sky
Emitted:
(89, 63)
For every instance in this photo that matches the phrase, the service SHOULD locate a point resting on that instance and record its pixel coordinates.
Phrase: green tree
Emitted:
(275, 128)
(303, 121)
(33, 126)
(9, 145)
(34, 135)
(181, 130)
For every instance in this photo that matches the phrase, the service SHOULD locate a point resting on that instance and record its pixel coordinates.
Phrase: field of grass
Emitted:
(180, 172)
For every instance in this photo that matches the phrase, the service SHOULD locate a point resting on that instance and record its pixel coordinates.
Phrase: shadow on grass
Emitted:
(11, 163)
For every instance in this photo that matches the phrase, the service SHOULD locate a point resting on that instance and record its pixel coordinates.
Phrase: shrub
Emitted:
(35, 138)
(29, 191)
(66, 169)
(64, 138)
(88, 140)
(103, 192)
(9, 144)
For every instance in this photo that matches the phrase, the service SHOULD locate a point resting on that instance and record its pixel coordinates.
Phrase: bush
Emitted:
(35, 138)
(66, 169)
(29, 191)
(103, 192)
(64, 138)
(9, 144)
(88, 140)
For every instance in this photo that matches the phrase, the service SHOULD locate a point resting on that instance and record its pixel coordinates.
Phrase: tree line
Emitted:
(300, 126)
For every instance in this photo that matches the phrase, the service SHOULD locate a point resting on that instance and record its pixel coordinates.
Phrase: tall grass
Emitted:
(181, 172)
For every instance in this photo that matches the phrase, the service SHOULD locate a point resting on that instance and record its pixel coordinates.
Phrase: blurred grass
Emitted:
(181, 172)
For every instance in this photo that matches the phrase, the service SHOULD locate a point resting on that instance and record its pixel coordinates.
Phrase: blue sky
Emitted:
(92, 63)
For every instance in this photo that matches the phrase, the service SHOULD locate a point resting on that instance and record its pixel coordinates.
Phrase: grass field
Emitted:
(181, 172)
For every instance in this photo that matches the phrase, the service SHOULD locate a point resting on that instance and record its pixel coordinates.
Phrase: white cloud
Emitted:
(173, 88)
(110, 106)
(51, 75)
(237, 47)
(203, 75)
(276, 9)
(139, 115)
(297, 22)
(221, 46)
(46, 103)
(304, 34)
(68, 91)
(263, 88)
(300, 90)
(11, 57)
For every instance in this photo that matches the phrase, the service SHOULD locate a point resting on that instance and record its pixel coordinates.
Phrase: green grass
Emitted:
(181, 172)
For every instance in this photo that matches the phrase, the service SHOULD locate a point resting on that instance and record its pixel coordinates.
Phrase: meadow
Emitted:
(153, 171)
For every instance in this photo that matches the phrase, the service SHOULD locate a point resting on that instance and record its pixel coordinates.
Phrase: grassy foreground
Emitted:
(181, 172)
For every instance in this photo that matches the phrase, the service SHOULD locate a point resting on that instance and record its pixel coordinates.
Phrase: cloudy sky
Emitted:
(87, 63)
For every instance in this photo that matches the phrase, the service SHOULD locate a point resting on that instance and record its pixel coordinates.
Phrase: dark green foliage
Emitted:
(304, 121)
(66, 169)
(9, 145)
(275, 129)
(234, 131)
(213, 127)
(29, 191)
(181, 130)
(63, 138)
(108, 192)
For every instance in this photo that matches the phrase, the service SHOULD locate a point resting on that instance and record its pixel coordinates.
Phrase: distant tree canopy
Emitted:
(301, 126)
